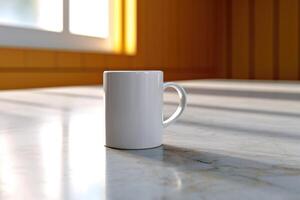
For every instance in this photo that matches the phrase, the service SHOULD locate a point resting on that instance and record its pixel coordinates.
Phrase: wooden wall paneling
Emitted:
(181, 31)
(154, 34)
(195, 15)
(12, 57)
(40, 58)
(298, 39)
(264, 39)
(252, 31)
(182, 34)
(191, 26)
(69, 60)
(172, 34)
(276, 39)
(240, 39)
(214, 38)
(229, 39)
(140, 56)
(288, 39)
(130, 63)
(165, 12)
(117, 62)
(210, 64)
(94, 60)
(221, 37)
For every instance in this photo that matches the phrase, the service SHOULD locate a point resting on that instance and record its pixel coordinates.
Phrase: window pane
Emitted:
(89, 17)
(40, 14)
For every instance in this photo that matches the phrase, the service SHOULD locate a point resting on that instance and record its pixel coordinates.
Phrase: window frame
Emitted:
(26, 37)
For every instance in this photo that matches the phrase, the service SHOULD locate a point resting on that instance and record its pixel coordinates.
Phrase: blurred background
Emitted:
(59, 42)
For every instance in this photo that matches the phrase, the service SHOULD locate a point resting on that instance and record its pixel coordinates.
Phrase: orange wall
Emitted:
(177, 36)
(239, 39)
(259, 39)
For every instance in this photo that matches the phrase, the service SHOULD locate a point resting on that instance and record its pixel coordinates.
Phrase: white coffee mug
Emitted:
(133, 108)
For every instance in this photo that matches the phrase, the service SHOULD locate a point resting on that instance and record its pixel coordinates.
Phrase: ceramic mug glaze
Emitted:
(133, 108)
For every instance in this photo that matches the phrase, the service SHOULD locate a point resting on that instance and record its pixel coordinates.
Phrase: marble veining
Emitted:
(236, 140)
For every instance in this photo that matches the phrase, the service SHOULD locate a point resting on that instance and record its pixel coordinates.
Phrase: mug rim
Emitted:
(133, 71)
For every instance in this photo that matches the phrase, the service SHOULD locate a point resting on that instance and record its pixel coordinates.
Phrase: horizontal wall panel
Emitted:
(40, 58)
(91, 60)
(12, 58)
(68, 59)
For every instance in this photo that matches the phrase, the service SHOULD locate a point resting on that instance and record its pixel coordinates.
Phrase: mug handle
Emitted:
(182, 105)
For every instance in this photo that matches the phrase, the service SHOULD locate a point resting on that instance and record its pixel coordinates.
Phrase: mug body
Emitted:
(133, 109)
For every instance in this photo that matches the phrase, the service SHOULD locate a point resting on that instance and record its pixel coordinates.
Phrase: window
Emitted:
(59, 24)
(84, 22)
(37, 14)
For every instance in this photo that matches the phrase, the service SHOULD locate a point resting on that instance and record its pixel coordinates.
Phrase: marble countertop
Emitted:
(236, 140)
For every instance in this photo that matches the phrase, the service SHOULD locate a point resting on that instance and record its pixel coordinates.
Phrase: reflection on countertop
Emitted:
(236, 146)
